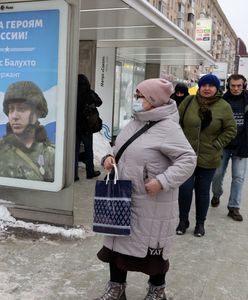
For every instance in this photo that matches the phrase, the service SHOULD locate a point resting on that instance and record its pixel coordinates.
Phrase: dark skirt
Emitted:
(150, 264)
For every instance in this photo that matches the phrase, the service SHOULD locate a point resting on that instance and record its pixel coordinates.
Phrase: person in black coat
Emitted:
(181, 91)
(87, 101)
(236, 150)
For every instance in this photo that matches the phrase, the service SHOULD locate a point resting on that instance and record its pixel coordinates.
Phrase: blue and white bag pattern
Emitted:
(112, 206)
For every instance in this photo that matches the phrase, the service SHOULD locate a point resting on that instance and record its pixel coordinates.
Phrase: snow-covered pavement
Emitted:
(44, 262)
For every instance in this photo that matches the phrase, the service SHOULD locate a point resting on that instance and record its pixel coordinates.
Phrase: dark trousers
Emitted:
(200, 181)
(87, 140)
(120, 276)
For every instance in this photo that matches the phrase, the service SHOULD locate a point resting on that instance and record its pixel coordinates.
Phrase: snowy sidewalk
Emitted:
(53, 263)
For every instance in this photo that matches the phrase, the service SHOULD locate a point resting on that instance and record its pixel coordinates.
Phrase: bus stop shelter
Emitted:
(139, 32)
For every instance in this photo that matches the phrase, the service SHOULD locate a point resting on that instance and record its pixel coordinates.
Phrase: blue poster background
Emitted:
(29, 51)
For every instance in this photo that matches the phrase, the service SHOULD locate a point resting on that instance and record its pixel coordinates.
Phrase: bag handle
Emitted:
(116, 175)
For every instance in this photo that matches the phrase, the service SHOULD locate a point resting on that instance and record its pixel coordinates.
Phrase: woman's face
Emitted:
(146, 104)
(207, 90)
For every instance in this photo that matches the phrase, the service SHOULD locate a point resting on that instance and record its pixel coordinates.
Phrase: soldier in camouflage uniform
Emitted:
(25, 151)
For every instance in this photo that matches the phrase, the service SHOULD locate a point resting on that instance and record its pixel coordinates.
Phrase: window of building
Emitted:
(191, 4)
(180, 23)
(160, 5)
(191, 18)
(181, 7)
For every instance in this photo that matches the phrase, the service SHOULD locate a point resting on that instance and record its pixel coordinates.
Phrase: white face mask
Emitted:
(138, 105)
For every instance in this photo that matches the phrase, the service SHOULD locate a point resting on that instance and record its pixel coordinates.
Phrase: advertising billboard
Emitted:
(243, 66)
(33, 42)
(203, 32)
(221, 70)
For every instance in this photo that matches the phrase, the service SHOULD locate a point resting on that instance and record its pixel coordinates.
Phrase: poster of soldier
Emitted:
(32, 94)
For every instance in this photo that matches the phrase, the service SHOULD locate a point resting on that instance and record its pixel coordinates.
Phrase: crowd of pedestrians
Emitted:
(185, 152)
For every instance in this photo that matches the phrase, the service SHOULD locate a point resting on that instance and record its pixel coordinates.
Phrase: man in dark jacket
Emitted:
(87, 101)
(236, 150)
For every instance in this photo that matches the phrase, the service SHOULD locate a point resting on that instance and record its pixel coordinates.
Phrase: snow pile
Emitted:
(6, 220)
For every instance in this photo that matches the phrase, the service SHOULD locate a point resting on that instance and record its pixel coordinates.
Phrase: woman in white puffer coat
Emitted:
(157, 163)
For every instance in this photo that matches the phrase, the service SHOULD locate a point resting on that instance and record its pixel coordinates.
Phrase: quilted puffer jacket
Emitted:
(162, 152)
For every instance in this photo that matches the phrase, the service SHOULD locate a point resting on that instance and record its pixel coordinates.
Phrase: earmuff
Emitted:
(236, 77)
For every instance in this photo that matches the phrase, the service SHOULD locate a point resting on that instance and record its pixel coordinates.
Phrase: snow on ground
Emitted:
(6, 220)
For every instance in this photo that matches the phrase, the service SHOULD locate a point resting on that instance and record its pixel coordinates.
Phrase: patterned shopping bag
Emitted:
(112, 204)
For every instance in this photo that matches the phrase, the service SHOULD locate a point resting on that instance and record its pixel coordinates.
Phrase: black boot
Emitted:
(182, 227)
(94, 174)
(199, 230)
(215, 201)
(235, 214)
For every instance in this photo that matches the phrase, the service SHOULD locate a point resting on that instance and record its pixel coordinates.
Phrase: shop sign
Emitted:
(203, 33)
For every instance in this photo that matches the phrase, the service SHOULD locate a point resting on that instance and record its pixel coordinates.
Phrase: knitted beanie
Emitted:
(209, 79)
(157, 91)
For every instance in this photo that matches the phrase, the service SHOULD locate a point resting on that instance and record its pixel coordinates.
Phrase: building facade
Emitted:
(184, 14)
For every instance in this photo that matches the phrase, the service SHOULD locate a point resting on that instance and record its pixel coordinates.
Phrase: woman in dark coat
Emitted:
(181, 91)
(87, 100)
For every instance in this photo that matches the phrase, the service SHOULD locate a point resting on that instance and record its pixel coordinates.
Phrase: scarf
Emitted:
(205, 113)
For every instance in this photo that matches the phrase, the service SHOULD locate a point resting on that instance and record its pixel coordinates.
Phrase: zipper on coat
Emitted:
(145, 174)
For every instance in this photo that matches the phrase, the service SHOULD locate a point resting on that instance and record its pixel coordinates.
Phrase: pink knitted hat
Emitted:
(156, 90)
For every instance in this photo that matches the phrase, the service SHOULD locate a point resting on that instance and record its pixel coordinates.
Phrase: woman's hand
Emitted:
(153, 186)
(108, 163)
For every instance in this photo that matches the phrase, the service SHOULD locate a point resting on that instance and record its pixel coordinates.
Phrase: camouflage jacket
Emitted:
(34, 163)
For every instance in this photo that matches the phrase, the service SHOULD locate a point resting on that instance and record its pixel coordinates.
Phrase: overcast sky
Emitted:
(237, 14)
